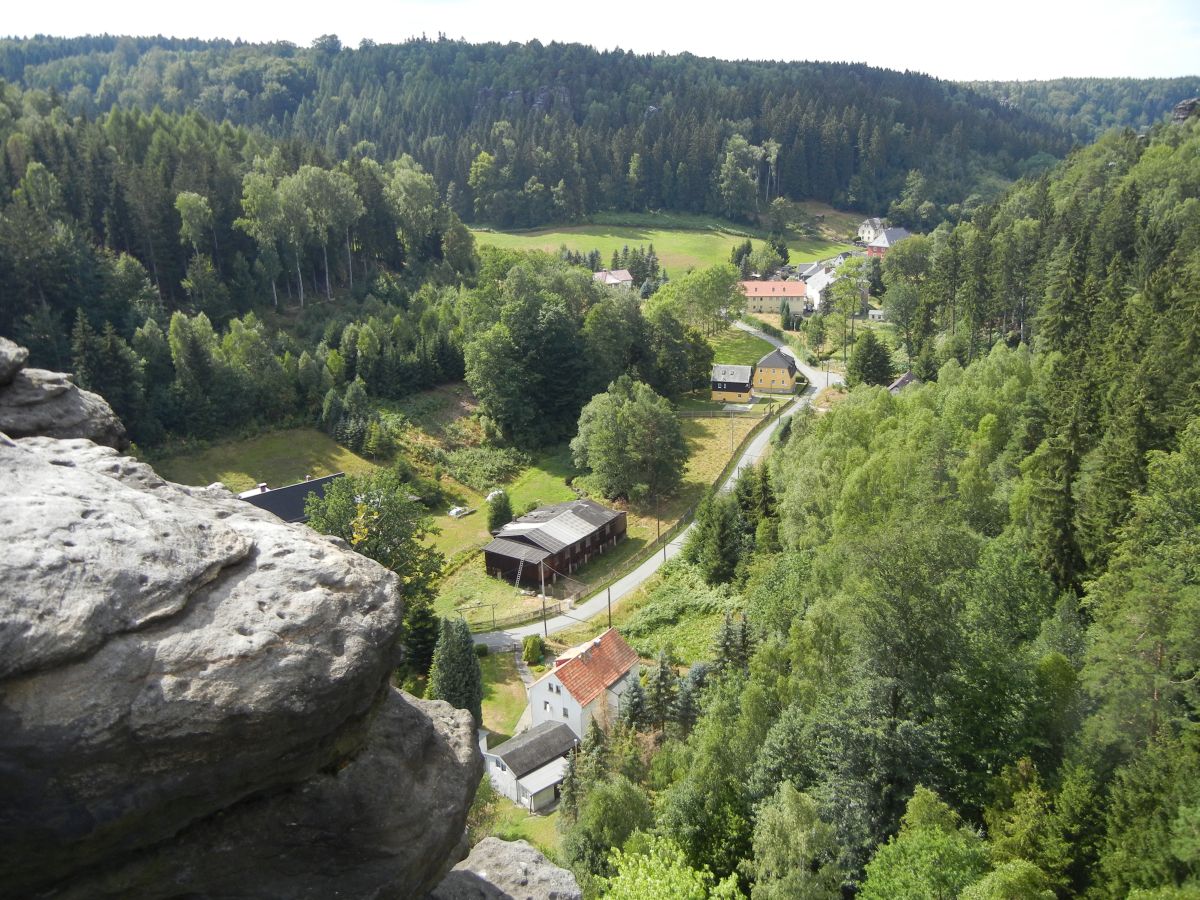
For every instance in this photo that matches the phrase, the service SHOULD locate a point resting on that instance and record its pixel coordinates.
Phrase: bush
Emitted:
(482, 468)
(533, 649)
(499, 512)
(482, 650)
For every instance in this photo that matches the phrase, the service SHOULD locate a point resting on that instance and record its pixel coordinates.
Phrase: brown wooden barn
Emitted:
(552, 541)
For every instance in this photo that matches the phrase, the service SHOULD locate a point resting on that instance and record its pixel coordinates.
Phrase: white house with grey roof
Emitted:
(529, 768)
(552, 541)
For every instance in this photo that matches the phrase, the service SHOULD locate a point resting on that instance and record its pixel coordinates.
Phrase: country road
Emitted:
(597, 603)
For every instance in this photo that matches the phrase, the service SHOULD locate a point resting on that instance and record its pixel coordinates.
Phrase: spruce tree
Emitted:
(569, 792)
(686, 709)
(870, 362)
(661, 689)
(455, 675)
(725, 647)
(421, 631)
(634, 712)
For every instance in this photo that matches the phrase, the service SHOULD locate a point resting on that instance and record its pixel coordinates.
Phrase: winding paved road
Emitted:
(597, 603)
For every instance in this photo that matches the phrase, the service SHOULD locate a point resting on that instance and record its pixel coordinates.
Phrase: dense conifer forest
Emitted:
(526, 134)
(963, 646)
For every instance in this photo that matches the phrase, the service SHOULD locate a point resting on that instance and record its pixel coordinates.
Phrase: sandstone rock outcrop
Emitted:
(194, 698)
(36, 402)
(507, 870)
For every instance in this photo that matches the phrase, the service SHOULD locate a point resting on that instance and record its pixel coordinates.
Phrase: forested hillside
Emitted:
(970, 652)
(1087, 107)
(525, 134)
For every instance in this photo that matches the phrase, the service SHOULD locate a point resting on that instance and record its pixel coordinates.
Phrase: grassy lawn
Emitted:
(681, 241)
(513, 823)
(545, 481)
(504, 697)
(277, 457)
(477, 596)
(734, 347)
(690, 637)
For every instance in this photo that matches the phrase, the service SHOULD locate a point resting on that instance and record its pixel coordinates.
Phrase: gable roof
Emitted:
(908, 378)
(777, 359)
(288, 502)
(874, 222)
(808, 270)
(594, 666)
(733, 374)
(551, 528)
(780, 289)
(613, 276)
(532, 749)
(890, 236)
(516, 550)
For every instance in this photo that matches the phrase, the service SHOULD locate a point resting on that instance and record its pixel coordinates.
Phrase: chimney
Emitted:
(262, 487)
(308, 478)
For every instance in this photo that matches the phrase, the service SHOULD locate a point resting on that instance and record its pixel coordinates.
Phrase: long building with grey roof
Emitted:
(552, 541)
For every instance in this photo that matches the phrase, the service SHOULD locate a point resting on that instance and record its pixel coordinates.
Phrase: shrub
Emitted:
(484, 467)
(533, 649)
(482, 650)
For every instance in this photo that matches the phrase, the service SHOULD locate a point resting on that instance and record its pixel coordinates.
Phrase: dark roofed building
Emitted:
(288, 502)
(908, 379)
(776, 373)
(888, 238)
(552, 541)
(529, 768)
(731, 382)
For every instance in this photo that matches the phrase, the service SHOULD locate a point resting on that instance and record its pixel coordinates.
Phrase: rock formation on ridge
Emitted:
(194, 696)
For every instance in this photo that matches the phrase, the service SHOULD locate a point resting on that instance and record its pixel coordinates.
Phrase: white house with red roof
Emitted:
(585, 681)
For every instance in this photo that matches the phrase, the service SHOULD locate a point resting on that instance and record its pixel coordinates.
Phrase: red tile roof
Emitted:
(774, 288)
(595, 666)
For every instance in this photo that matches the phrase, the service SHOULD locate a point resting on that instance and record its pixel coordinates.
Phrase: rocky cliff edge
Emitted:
(194, 695)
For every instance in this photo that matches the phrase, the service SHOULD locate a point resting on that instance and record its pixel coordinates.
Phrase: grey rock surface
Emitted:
(194, 699)
(12, 360)
(507, 870)
(36, 402)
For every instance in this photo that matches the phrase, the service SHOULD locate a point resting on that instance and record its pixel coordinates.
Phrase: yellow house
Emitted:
(775, 374)
(731, 384)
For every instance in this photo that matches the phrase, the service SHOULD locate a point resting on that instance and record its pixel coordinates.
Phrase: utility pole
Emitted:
(542, 576)
(610, 606)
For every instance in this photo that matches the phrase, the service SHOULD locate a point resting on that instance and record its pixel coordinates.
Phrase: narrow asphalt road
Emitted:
(819, 378)
(598, 602)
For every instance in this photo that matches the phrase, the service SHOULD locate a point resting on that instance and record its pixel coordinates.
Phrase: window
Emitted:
(564, 712)
(545, 706)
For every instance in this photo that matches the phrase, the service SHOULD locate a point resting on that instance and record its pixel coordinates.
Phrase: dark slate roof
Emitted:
(552, 527)
(288, 502)
(902, 382)
(891, 236)
(516, 550)
(733, 374)
(539, 745)
(777, 359)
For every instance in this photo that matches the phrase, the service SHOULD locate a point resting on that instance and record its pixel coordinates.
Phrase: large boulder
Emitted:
(36, 402)
(12, 360)
(194, 698)
(507, 870)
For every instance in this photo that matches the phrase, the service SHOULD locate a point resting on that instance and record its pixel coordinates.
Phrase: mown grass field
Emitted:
(681, 242)
(277, 457)
(734, 347)
(514, 823)
(504, 697)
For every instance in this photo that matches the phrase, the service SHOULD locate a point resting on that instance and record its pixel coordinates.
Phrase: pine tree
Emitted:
(454, 675)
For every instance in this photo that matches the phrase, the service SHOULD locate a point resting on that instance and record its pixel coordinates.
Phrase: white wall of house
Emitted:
(502, 777)
(549, 701)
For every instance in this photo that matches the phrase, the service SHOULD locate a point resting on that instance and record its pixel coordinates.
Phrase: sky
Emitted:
(953, 39)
